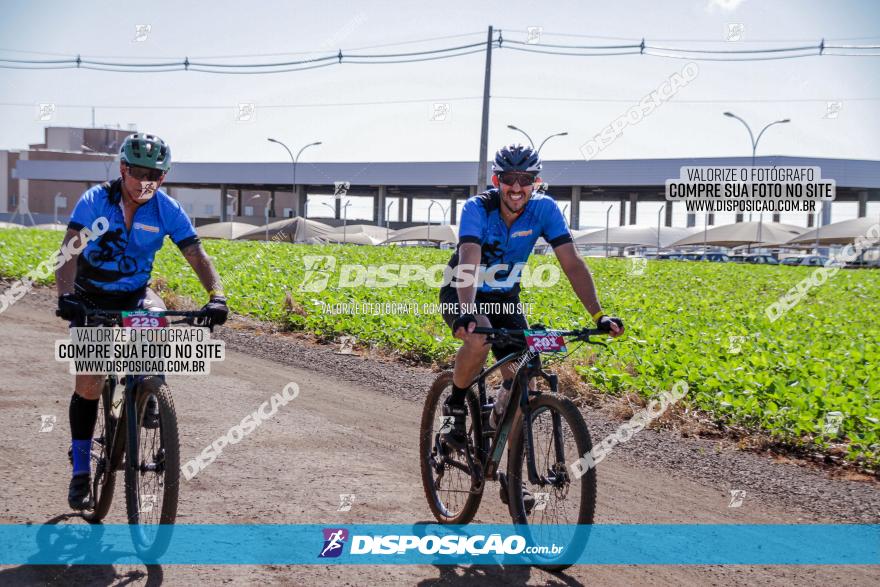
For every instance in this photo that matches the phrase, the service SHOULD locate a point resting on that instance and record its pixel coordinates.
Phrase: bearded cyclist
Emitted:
(113, 272)
(498, 230)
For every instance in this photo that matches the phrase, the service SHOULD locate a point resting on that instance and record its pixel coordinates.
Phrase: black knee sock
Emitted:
(83, 415)
(458, 394)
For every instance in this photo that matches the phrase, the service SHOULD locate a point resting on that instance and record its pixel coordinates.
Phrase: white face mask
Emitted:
(148, 190)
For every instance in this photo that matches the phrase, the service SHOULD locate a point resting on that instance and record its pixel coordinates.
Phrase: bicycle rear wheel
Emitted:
(103, 471)
(566, 499)
(446, 476)
(152, 472)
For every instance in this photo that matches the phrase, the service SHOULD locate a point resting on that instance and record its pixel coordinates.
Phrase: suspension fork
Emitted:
(558, 442)
(131, 424)
(522, 380)
(132, 391)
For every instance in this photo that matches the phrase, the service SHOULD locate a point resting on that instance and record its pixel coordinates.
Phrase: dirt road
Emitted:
(353, 430)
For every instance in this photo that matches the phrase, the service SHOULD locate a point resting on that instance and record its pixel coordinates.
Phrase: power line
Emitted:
(708, 40)
(642, 48)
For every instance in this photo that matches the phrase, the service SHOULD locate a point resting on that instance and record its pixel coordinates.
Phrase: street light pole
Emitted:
(293, 159)
(431, 205)
(659, 212)
(444, 210)
(268, 205)
(752, 138)
(387, 220)
(345, 222)
(531, 142)
(607, 224)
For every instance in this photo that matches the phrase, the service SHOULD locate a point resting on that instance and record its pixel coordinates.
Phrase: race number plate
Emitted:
(541, 341)
(144, 319)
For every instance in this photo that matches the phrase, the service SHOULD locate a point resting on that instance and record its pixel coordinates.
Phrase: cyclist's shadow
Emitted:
(493, 575)
(52, 538)
(477, 574)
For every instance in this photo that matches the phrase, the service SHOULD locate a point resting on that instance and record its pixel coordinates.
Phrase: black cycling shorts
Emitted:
(502, 310)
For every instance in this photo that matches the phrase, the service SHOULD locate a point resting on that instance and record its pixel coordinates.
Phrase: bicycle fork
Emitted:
(552, 380)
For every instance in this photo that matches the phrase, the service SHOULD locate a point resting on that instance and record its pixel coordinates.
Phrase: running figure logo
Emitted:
(334, 540)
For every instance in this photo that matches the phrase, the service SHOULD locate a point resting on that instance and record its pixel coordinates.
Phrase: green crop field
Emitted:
(701, 322)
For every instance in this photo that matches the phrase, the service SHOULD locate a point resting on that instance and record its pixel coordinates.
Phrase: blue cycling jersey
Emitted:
(481, 223)
(121, 260)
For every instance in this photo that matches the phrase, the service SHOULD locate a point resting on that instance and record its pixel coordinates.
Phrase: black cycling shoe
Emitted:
(528, 498)
(454, 432)
(151, 413)
(79, 495)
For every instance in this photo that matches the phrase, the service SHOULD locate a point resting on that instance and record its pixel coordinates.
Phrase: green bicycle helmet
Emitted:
(146, 150)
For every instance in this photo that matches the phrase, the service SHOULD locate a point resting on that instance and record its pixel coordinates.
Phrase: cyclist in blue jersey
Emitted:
(112, 272)
(497, 231)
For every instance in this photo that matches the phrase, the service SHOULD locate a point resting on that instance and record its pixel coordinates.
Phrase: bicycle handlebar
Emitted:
(496, 334)
(114, 317)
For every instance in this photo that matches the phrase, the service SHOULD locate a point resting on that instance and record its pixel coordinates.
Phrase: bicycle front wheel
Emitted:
(448, 476)
(103, 465)
(563, 503)
(152, 471)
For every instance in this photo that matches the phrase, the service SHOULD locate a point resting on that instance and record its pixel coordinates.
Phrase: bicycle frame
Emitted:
(491, 449)
(126, 435)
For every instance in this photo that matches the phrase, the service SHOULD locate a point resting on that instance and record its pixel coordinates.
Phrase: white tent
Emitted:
(837, 233)
(290, 230)
(374, 231)
(438, 233)
(10, 225)
(632, 236)
(362, 234)
(742, 233)
(224, 230)
(356, 238)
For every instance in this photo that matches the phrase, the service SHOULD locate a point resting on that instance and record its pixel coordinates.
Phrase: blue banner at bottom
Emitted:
(484, 544)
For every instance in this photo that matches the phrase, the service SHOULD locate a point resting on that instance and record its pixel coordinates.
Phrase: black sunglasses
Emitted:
(144, 173)
(512, 177)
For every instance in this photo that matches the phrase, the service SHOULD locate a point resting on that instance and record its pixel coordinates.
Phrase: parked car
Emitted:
(791, 261)
(814, 260)
(715, 258)
(762, 259)
(671, 256)
(692, 257)
(738, 258)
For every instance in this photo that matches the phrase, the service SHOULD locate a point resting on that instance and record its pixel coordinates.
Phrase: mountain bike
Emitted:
(544, 434)
(149, 457)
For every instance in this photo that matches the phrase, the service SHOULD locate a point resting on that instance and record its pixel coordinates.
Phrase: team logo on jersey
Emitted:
(146, 227)
(521, 233)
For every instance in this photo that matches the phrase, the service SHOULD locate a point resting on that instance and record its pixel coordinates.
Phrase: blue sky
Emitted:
(541, 93)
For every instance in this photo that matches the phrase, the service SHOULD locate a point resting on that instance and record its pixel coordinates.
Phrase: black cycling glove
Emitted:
(462, 322)
(216, 310)
(70, 307)
(604, 323)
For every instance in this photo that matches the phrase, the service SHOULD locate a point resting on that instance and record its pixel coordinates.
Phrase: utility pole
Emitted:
(484, 130)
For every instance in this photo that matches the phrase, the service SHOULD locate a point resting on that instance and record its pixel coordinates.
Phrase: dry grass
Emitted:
(173, 300)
